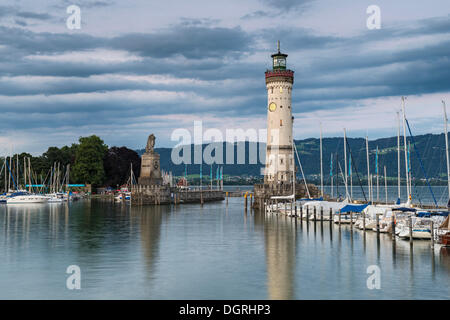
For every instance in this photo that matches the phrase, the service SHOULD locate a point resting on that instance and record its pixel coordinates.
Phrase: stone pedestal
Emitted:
(150, 169)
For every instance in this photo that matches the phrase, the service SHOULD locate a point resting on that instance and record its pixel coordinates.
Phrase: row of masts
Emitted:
(29, 181)
(406, 144)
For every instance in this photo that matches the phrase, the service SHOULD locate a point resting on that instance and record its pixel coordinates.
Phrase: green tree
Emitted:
(89, 155)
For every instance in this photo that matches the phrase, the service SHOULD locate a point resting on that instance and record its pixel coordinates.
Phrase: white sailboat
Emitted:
(27, 198)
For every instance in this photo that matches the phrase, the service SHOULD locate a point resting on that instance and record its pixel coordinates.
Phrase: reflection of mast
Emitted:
(280, 257)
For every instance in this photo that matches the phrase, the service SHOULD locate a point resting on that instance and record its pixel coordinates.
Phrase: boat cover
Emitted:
(353, 208)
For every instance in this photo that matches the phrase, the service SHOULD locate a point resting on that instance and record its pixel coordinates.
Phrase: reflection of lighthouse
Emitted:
(279, 235)
(279, 156)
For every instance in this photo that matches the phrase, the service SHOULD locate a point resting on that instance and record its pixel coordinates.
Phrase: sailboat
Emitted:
(443, 231)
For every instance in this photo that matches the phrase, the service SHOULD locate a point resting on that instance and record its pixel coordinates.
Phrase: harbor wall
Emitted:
(161, 194)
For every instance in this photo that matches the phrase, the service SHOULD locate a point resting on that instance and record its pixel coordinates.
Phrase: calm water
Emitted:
(214, 252)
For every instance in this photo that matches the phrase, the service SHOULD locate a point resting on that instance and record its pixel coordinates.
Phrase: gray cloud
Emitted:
(225, 79)
(84, 4)
(286, 5)
(33, 15)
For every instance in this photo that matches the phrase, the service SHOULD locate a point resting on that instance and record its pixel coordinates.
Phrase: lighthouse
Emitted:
(280, 162)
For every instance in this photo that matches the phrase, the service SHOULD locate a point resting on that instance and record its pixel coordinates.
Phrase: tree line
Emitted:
(91, 162)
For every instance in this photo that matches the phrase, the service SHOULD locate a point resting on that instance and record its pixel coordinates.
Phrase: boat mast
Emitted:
(446, 147)
(17, 168)
(398, 156)
(368, 168)
(378, 175)
(293, 167)
(385, 185)
(409, 167)
(331, 174)
(321, 163)
(6, 173)
(10, 173)
(25, 173)
(345, 164)
(408, 191)
(29, 174)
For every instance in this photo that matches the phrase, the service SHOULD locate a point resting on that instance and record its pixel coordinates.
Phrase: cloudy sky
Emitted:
(141, 66)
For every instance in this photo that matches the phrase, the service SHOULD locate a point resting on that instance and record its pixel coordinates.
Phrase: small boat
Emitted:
(421, 230)
(349, 214)
(57, 197)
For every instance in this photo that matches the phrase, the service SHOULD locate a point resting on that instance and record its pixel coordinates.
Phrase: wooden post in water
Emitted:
(331, 214)
(410, 229)
(378, 223)
(315, 214)
(339, 218)
(251, 200)
(295, 208)
(393, 227)
(321, 214)
(351, 220)
(432, 234)
(364, 221)
(307, 213)
(245, 201)
(227, 196)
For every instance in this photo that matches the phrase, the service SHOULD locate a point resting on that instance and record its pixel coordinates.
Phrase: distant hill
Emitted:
(431, 148)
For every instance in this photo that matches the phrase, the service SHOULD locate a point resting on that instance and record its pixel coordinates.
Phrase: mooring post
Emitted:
(339, 218)
(432, 234)
(245, 201)
(227, 196)
(378, 223)
(321, 214)
(296, 209)
(410, 229)
(331, 214)
(351, 220)
(307, 213)
(393, 226)
(251, 200)
(364, 221)
(315, 214)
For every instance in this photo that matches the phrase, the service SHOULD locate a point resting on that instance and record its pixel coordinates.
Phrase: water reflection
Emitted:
(280, 244)
(214, 251)
(150, 229)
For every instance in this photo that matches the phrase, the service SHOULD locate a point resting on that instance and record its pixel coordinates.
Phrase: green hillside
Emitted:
(431, 148)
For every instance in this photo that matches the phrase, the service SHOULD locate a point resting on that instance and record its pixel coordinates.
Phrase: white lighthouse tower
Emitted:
(279, 154)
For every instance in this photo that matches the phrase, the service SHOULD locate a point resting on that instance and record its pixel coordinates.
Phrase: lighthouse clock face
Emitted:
(272, 107)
